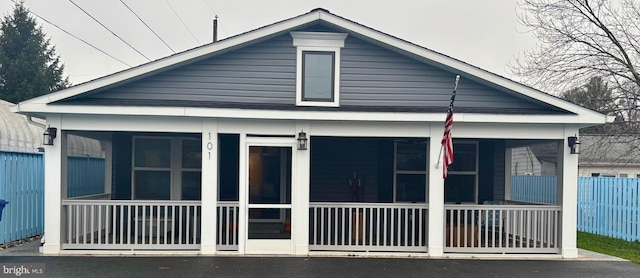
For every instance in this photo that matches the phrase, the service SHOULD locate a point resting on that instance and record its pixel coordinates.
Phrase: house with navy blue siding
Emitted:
(314, 135)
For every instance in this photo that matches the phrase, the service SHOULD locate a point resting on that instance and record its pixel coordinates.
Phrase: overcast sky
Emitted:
(483, 33)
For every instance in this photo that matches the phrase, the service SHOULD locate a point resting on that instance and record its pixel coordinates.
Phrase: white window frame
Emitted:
(175, 167)
(397, 172)
(318, 42)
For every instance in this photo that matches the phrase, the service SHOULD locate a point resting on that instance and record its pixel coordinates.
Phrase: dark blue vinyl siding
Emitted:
(263, 75)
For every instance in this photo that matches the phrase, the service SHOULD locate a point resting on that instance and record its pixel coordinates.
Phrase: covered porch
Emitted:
(361, 194)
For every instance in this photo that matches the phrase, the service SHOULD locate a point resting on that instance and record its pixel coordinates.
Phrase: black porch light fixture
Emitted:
(574, 144)
(302, 140)
(49, 134)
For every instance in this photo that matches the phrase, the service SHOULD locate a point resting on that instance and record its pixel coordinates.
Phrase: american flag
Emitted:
(447, 143)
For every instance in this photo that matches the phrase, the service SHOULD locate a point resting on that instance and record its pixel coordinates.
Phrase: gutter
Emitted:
(16, 109)
(30, 120)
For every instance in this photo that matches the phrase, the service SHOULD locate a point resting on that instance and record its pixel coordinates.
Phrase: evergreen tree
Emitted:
(29, 66)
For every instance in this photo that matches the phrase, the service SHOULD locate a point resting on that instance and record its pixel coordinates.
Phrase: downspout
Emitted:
(30, 121)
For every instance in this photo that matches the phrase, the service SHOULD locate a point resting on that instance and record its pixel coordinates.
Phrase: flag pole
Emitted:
(453, 95)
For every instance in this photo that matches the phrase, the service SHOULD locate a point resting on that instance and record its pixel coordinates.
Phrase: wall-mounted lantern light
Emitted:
(574, 144)
(49, 134)
(302, 140)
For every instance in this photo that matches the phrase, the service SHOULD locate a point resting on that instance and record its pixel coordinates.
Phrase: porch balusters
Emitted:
(514, 228)
(227, 214)
(368, 227)
(131, 225)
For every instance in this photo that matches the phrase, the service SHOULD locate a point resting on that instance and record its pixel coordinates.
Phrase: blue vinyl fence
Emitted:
(22, 185)
(85, 176)
(609, 207)
(606, 206)
(534, 189)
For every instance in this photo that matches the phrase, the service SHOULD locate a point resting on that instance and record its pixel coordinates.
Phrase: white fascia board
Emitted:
(461, 66)
(172, 60)
(306, 115)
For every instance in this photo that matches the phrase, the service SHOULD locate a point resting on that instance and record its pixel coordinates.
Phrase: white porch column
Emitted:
(209, 186)
(436, 194)
(243, 182)
(53, 188)
(300, 209)
(569, 197)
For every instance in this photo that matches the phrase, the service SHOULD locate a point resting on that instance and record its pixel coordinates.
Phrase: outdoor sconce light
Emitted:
(302, 140)
(574, 144)
(49, 134)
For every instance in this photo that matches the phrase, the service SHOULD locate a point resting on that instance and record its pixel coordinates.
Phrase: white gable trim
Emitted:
(204, 51)
(456, 65)
(174, 60)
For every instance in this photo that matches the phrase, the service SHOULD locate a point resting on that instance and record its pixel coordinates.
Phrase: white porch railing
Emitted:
(368, 227)
(227, 215)
(131, 224)
(502, 228)
(102, 196)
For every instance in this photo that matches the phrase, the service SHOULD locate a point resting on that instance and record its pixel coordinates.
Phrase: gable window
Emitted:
(318, 68)
(318, 76)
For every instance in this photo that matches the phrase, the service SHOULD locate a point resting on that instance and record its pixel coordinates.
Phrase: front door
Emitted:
(268, 204)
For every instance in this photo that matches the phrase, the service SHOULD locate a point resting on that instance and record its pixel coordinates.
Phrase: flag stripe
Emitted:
(447, 141)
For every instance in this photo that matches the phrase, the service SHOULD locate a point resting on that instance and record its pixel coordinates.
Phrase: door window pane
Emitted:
(270, 223)
(269, 175)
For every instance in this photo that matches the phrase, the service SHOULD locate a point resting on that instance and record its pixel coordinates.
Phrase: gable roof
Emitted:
(38, 105)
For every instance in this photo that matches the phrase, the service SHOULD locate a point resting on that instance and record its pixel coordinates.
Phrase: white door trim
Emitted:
(266, 246)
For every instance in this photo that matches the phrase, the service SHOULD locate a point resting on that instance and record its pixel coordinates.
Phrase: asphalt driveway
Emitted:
(589, 264)
(316, 267)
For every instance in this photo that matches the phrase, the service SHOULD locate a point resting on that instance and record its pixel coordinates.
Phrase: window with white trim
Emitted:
(166, 168)
(410, 172)
(318, 68)
(461, 185)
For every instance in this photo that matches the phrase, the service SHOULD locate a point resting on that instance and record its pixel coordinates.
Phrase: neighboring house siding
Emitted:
(372, 78)
(524, 162)
(632, 171)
